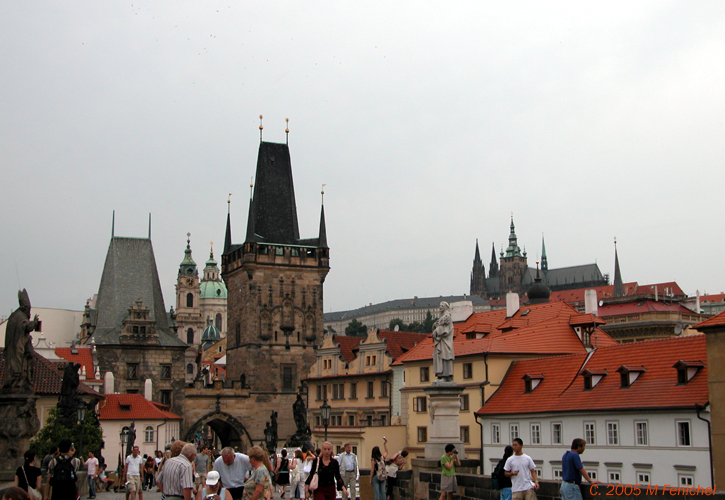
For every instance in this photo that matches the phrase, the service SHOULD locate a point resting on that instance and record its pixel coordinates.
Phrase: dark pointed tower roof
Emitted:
(477, 255)
(228, 235)
(273, 211)
(544, 261)
(493, 266)
(129, 275)
(618, 284)
(478, 275)
(323, 229)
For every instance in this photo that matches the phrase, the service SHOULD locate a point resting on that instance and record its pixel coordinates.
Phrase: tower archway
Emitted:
(229, 430)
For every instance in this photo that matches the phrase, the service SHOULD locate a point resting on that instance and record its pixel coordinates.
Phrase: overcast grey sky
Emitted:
(430, 122)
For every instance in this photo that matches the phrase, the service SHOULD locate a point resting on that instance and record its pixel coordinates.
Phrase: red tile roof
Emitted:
(673, 288)
(562, 389)
(534, 329)
(640, 307)
(717, 320)
(718, 297)
(133, 407)
(577, 295)
(397, 343)
(81, 355)
(48, 377)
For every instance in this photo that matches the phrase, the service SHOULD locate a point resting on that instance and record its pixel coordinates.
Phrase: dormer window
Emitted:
(531, 381)
(686, 370)
(592, 378)
(125, 408)
(628, 374)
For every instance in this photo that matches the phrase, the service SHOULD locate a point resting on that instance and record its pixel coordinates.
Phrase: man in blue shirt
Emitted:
(573, 471)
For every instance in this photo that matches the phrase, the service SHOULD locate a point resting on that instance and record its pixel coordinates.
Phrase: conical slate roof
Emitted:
(130, 274)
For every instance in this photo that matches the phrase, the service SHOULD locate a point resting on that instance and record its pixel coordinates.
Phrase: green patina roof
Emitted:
(210, 334)
(212, 290)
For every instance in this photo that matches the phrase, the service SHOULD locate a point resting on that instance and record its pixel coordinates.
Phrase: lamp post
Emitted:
(325, 410)
(81, 411)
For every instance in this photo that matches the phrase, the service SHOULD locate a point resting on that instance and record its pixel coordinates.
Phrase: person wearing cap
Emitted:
(213, 489)
(177, 475)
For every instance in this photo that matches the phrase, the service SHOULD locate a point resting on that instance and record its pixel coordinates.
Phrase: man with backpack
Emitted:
(64, 472)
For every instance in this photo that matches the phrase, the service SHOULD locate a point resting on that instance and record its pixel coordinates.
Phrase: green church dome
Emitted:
(212, 290)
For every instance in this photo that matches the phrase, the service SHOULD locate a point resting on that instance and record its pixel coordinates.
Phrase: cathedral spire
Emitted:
(477, 256)
(513, 249)
(187, 266)
(544, 261)
(323, 229)
(478, 275)
(618, 285)
(493, 266)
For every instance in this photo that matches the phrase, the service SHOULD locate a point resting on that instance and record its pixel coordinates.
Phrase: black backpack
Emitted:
(63, 473)
(496, 475)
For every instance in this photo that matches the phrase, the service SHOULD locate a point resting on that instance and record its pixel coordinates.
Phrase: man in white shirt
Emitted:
(132, 472)
(92, 466)
(233, 468)
(349, 470)
(522, 471)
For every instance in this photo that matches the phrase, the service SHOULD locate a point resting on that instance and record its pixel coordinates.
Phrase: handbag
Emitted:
(314, 483)
(32, 491)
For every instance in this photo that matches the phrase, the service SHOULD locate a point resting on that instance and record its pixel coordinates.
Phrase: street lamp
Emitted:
(81, 411)
(325, 410)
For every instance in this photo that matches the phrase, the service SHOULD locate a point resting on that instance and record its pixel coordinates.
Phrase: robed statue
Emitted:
(18, 354)
(443, 341)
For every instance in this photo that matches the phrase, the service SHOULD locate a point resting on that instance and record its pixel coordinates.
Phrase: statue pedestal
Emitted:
(19, 423)
(444, 408)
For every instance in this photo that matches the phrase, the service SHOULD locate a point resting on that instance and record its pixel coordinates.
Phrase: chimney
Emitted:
(590, 302)
(148, 392)
(512, 304)
(108, 383)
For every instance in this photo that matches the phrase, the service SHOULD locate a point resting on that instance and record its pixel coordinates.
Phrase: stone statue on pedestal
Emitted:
(17, 396)
(303, 434)
(18, 354)
(443, 339)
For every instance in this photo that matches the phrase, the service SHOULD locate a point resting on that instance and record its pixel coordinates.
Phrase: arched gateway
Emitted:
(230, 431)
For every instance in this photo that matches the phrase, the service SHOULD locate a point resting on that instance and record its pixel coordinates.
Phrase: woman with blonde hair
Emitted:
(328, 472)
(297, 476)
(259, 485)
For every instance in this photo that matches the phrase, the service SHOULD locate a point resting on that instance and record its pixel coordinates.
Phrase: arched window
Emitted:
(149, 434)
(190, 336)
(189, 299)
(190, 369)
(218, 321)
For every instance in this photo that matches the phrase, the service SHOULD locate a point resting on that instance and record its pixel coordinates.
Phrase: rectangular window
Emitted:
(641, 434)
(686, 481)
(354, 450)
(383, 420)
(319, 393)
(464, 402)
(613, 476)
(513, 432)
(467, 370)
(422, 434)
(351, 420)
(371, 389)
(165, 398)
(683, 433)
(420, 406)
(132, 370)
(383, 389)
(318, 420)
(592, 474)
(590, 435)
(642, 477)
(424, 374)
(495, 434)
(612, 434)
(535, 434)
(338, 391)
(539, 473)
(558, 474)
(353, 390)
(289, 374)
(465, 434)
(556, 433)
(165, 371)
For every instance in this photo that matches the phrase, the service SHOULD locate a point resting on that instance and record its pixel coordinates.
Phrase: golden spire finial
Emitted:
(229, 203)
(188, 238)
(251, 185)
(286, 130)
(322, 192)
(261, 127)
(211, 249)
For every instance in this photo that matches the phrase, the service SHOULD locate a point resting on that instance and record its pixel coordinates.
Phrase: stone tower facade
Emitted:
(275, 286)
(513, 266)
(188, 310)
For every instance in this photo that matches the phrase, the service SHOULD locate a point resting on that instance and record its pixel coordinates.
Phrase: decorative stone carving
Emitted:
(443, 338)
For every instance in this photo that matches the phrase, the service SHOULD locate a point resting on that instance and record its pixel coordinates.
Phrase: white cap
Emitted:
(212, 478)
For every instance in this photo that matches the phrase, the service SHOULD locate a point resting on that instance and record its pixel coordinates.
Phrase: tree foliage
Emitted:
(356, 329)
(425, 327)
(53, 432)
